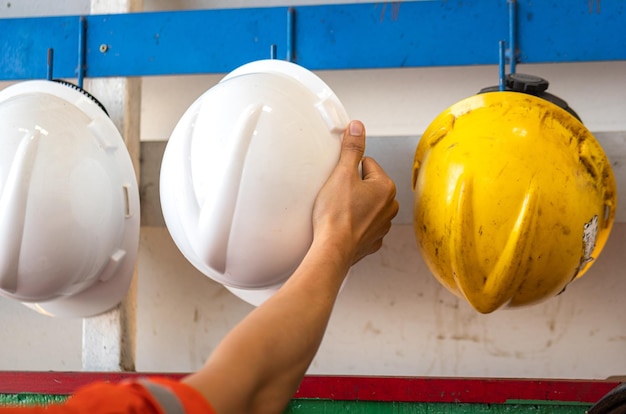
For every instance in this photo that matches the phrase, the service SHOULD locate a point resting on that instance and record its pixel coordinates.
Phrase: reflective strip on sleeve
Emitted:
(169, 402)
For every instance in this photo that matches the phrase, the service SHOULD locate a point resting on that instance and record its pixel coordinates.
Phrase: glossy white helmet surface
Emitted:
(241, 172)
(69, 202)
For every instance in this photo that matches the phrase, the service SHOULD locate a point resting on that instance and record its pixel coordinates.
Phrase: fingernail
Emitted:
(356, 129)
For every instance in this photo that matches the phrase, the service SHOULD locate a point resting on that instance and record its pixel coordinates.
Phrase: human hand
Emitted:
(353, 211)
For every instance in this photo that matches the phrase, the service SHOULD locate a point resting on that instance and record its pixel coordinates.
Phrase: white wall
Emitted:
(392, 318)
(400, 102)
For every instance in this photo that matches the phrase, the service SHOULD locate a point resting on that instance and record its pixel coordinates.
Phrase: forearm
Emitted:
(271, 349)
(260, 363)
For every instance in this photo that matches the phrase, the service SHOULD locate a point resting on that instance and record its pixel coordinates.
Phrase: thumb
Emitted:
(353, 145)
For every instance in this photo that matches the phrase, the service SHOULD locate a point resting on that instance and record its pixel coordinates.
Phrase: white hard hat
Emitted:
(69, 203)
(241, 172)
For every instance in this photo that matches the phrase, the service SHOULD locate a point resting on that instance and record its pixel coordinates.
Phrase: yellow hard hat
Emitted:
(513, 199)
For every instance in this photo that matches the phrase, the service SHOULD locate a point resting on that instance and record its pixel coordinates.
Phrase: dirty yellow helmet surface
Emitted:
(513, 199)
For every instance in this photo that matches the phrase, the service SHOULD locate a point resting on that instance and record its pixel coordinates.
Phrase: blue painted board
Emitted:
(324, 37)
(24, 44)
(208, 41)
(571, 30)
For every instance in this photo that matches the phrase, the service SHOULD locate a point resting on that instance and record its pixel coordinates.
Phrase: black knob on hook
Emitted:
(520, 82)
(532, 85)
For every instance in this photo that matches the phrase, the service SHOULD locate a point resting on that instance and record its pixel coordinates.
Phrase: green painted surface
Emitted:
(30, 399)
(313, 406)
(368, 407)
(552, 403)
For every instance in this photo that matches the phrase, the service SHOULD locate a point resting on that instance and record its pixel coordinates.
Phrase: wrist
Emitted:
(333, 247)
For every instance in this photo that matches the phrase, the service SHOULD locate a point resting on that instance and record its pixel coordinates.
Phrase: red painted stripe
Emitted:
(15, 382)
(352, 388)
(452, 390)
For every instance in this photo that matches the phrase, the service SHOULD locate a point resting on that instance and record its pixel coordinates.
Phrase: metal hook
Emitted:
(512, 53)
(50, 63)
(501, 61)
(291, 24)
(82, 50)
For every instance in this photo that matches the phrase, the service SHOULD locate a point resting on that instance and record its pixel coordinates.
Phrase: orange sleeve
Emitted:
(193, 401)
(126, 397)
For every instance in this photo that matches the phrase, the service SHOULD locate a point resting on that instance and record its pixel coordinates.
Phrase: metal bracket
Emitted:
(512, 53)
(81, 68)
